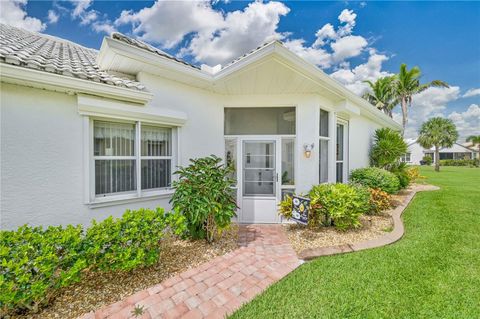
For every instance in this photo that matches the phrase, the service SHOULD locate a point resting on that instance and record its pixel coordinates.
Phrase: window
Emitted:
(118, 162)
(259, 121)
(406, 158)
(288, 166)
(323, 146)
(156, 150)
(444, 156)
(341, 151)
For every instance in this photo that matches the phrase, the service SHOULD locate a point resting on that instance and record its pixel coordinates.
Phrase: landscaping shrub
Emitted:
(379, 201)
(341, 205)
(387, 148)
(285, 207)
(400, 170)
(414, 174)
(36, 263)
(374, 177)
(203, 194)
(460, 162)
(130, 241)
(427, 160)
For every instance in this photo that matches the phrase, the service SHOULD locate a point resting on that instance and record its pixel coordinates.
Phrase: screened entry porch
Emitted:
(262, 145)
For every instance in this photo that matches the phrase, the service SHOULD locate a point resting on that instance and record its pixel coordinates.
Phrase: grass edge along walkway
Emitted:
(432, 272)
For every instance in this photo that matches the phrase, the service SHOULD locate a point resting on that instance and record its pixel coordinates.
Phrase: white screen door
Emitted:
(259, 181)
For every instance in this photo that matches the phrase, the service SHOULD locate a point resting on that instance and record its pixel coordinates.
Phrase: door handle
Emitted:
(276, 177)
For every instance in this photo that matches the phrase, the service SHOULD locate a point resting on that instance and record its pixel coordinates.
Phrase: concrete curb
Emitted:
(395, 235)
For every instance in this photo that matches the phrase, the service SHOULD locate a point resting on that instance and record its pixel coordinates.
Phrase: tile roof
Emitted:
(55, 55)
(142, 45)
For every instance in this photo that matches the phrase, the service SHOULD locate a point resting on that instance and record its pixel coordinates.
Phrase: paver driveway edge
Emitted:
(219, 287)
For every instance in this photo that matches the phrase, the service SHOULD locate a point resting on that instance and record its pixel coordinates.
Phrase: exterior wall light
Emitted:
(307, 149)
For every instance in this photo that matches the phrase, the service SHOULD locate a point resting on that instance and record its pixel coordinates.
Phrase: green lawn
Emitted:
(432, 272)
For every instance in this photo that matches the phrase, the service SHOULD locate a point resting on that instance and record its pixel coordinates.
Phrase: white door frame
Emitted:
(278, 162)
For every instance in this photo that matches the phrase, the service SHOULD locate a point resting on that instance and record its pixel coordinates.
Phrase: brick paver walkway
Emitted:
(219, 287)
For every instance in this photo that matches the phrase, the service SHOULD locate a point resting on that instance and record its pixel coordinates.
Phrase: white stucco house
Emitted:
(86, 134)
(416, 152)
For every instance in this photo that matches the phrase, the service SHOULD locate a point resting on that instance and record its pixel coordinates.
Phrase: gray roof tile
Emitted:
(54, 55)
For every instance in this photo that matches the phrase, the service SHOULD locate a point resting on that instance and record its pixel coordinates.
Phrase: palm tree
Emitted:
(475, 139)
(383, 94)
(437, 132)
(407, 85)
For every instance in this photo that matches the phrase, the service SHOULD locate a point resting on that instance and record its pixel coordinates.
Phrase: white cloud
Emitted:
(468, 122)
(81, 11)
(370, 70)
(216, 37)
(242, 31)
(331, 47)
(326, 32)
(348, 47)
(348, 18)
(472, 92)
(105, 26)
(312, 54)
(80, 7)
(13, 13)
(167, 23)
(52, 17)
(430, 103)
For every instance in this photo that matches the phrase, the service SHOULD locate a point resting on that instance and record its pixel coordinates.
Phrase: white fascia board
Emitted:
(111, 47)
(350, 99)
(335, 87)
(101, 107)
(55, 82)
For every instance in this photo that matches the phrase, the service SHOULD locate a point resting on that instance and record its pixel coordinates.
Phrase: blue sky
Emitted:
(352, 41)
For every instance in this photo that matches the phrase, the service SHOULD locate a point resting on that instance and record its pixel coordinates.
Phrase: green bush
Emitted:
(340, 205)
(427, 160)
(36, 263)
(387, 148)
(204, 196)
(460, 162)
(374, 177)
(401, 171)
(130, 241)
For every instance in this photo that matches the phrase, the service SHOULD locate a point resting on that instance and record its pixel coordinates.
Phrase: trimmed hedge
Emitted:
(37, 262)
(374, 177)
(460, 162)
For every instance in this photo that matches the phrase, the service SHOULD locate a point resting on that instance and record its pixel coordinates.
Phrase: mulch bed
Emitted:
(373, 226)
(97, 289)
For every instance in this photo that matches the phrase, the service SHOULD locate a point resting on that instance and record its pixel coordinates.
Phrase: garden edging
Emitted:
(393, 236)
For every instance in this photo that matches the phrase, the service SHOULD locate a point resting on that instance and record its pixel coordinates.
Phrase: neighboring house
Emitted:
(415, 152)
(473, 147)
(86, 134)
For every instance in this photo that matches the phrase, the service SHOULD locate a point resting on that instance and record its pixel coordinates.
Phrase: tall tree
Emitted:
(437, 132)
(475, 139)
(382, 94)
(407, 85)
